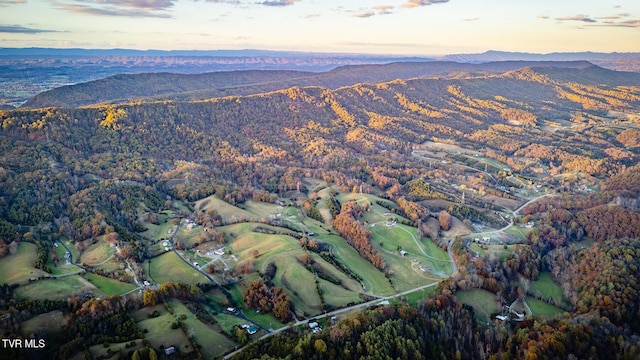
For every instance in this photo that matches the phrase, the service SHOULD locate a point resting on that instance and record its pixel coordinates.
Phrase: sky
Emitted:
(394, 27)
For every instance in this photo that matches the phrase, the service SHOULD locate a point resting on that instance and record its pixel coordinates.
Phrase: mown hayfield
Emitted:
(374, 281)
(484, 303)
(227, 322)
(157, 232)
(56, 289)
(213, 343)
(406, 269)
(299, 283)
(541, 308)
(18, 268)
(189, 237)
(96, 254)
(337, 296)
(546, 288)
(101, 352)
(262, 209)
(415, 298)
(158, 332)
(169, 267)
(267, 321)
(51, 322)
(346, 282)
(226, 210)
(109, 286)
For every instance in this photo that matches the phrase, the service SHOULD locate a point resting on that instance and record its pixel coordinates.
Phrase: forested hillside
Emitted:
(506, 182)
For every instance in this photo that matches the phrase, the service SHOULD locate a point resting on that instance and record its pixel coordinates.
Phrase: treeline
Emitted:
(347, 224)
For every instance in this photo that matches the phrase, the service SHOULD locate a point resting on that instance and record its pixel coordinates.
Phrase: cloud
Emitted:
(415, 3)
(471, 19)
(4, 3)
(134, 9)
(279, 2)
(631, 23)
(126, 8)
(383, 9)
(364, 14)
(544, 17)
(614, 17)
(16, 29)
(579, 17)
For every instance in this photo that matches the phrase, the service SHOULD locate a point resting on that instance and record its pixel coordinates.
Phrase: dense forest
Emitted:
(94, 171)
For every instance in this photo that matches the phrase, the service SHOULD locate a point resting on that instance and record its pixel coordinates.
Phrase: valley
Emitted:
(493, 205)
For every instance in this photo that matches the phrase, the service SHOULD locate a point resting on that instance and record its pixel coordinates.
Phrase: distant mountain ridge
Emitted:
(189, 87)
(614, 61)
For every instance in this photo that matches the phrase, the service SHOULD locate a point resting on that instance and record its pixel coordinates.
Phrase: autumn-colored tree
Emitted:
(445, 220)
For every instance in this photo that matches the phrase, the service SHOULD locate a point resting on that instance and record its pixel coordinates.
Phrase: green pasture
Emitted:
(158, 232)
(63, 267)
(374, 281)
(188, 236)
(262, 209)
(101, 352)
(322, 206)
(406, 272)
(109, 286)
(336, 295)
(346, 282)
(299, 283)
(227, 322)
(518, 231)
(18, 268)
(96, 254)
(415, 298)
(267, 321)
(226, 210)
(546, 288)
(213, 343)
(56, 289)
(158, 332)
(541, 308)
(169, 267)
(51, 322)
(484, 303)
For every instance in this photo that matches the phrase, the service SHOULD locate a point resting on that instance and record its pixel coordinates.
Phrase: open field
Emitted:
(374, 281)
(63, 267)
(56, 289)
(158, 331)
(546, 288)
(226, 210)
(415, 268)
(415, 298)
(541, 308)
(484, 303)
(18, 268)
(227, 322)
(187, 236)
(51, 322)
(262, 209)
(99, 351)
(160, 231)
(300, 283)
(337, 296)
(96, 254)
(444, 147)
(109, 286)
(267, 321)
(169, 267)
(213, 343)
